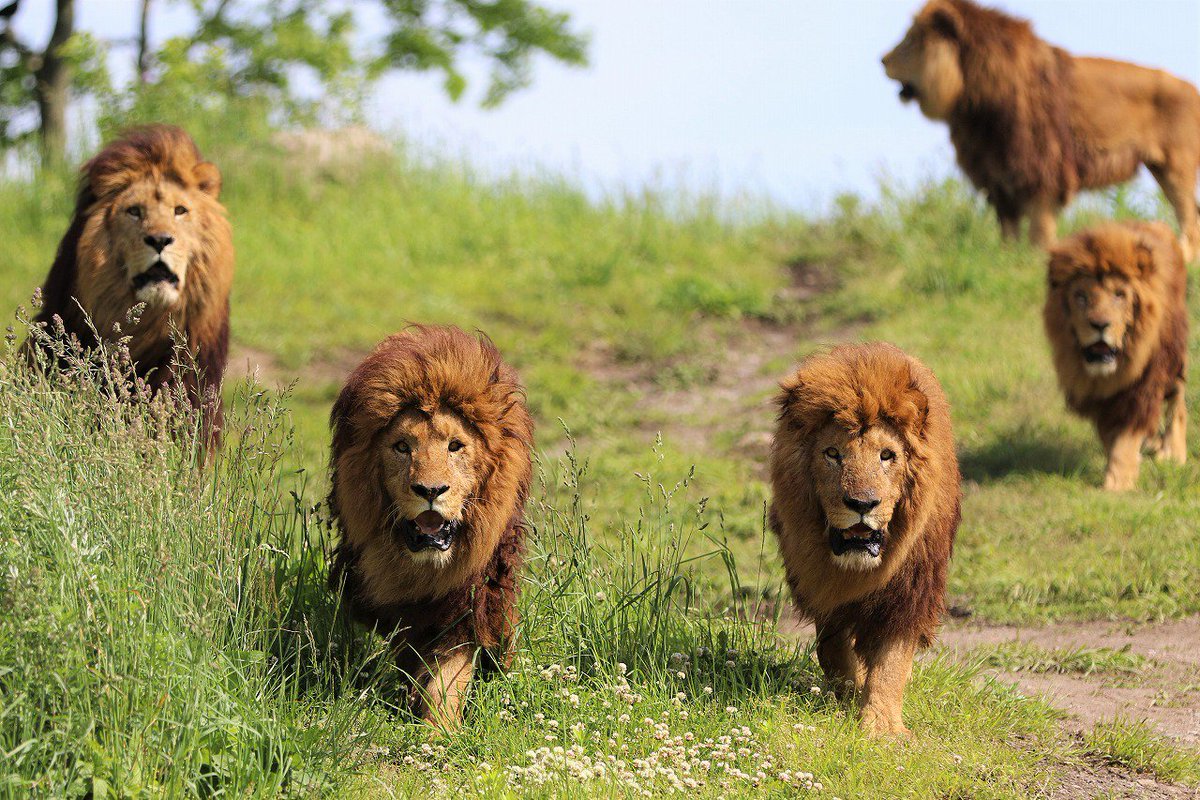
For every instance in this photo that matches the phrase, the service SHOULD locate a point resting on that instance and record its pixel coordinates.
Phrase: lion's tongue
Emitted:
(860, 531)
(429, 522)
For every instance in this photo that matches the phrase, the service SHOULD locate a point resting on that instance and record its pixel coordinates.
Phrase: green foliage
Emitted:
(430, 35)
(1023, 657)
(1136, 746)
(87, 57)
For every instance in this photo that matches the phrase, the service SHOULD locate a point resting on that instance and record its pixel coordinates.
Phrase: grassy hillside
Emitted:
(164, 632)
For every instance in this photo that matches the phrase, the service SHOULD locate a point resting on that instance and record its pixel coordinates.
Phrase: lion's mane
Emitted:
(1148, 256)
(1011, 128)
(82, 267)
(433, 367)
(857, 386)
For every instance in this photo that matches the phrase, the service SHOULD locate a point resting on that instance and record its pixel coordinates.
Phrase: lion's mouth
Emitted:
(907, 92)
(1100, 353)
(429, 529)
(861, 538)
(158, 272)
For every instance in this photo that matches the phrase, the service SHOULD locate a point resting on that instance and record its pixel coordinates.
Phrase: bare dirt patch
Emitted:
(1094, 778)
(264, 367)
(1165, 694)
(725, 388)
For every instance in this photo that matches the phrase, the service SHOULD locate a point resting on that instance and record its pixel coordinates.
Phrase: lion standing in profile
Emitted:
(148, 229)
(431, 469)
(1032, 124)
(865, 504)
(1116, 317)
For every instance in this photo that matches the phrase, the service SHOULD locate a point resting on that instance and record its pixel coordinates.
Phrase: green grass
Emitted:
(1138, 747)
(167, 632)
(1021, 657)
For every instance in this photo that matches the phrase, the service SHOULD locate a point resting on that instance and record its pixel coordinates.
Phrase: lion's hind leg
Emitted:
(889, 666)
(1174, 438)
(840, 663)
(1178, 183)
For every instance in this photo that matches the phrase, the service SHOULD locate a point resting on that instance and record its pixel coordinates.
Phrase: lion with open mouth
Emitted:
(1116, 317)
(149, 230)
(430, 471)
(865, 506)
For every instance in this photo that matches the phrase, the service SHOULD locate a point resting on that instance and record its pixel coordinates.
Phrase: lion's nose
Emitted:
(430, 493)
(1098, 324)
(860, 505)
(159, 242)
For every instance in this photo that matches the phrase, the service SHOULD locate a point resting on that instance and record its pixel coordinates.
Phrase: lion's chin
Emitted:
(157, 286)
(1100, 358)
(859, 547)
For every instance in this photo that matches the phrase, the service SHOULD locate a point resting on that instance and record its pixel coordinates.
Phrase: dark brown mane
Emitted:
(1012, 128)
(160, 152)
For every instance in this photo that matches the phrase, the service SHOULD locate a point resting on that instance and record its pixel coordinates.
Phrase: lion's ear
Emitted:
(945, 21)
(208, 178)
(920, 402)
(1063, 258)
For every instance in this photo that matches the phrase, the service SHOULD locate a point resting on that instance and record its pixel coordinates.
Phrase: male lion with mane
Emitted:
(431, 469)
(148, 229)
(1031, 124)
(1116, 317)
(865, 505)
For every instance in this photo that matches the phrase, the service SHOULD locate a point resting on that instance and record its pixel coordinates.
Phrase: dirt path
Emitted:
(1166, 694)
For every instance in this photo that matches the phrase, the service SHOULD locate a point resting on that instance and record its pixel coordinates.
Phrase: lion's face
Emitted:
(154, 229)
(926, 62)
(1101, 311)
(429, 465)
(859, 478)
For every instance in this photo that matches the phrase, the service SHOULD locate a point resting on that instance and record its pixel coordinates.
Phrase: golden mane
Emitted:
(90, 293)
(855, 386)
(431, 367)
(1144, 253)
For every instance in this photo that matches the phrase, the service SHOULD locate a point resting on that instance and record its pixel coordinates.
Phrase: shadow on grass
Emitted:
(1026, 452)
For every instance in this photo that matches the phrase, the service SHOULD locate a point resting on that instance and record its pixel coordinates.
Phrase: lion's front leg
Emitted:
(1043, 224)
(445, 689)
(841, 665)
(1124, 450)
(888, 667)
(1174, 440)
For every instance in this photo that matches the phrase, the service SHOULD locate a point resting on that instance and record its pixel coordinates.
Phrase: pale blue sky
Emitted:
(767, 97)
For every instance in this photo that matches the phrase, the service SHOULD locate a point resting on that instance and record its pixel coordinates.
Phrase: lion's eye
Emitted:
(832, 453)
(886, 455)
(1081, 298)
(1120, 293)
(455, 445)
(134, 211)
(402, 447)
(180, 211)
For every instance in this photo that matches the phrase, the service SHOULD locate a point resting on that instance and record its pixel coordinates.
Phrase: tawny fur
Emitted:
(1127, 405)
(437, 615)
(869, 622)
(86, 282)
(1031, 124)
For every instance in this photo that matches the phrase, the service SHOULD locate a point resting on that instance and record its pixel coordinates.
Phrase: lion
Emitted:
(1031, 124)
(865, 505)
(431, 464)
(1116, 317)
(148, 229)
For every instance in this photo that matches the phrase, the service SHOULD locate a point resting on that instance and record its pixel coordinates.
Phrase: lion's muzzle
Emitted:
(158, 272)
(1100, 352)
(860, 537)
(429, 530)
